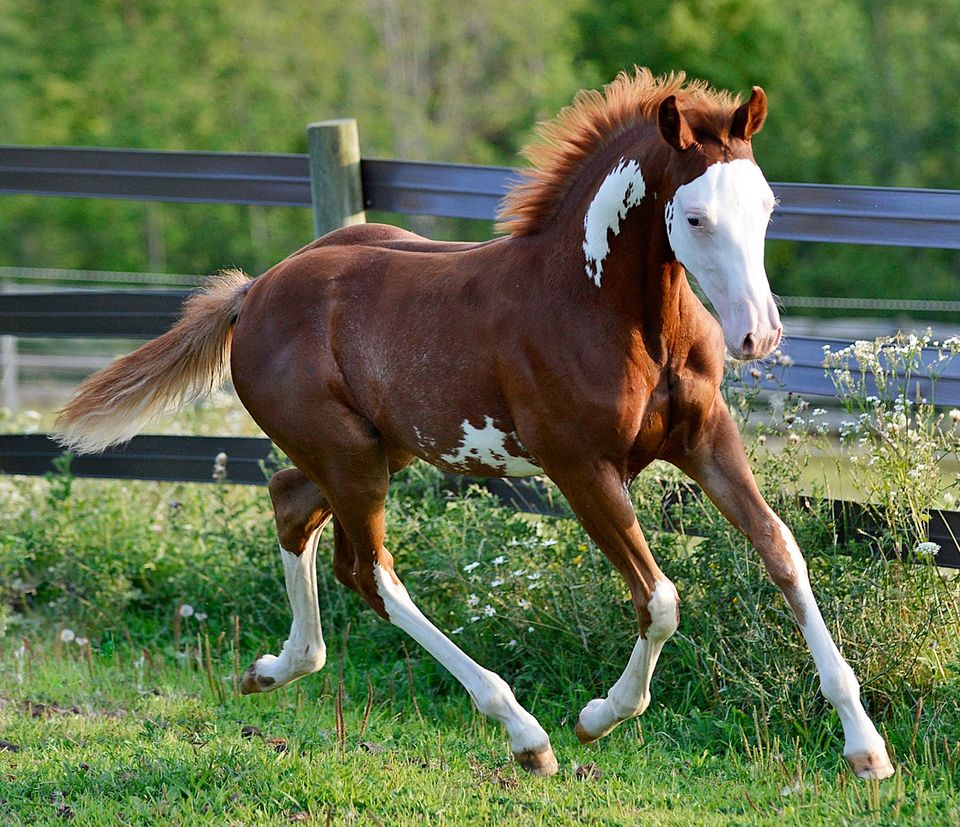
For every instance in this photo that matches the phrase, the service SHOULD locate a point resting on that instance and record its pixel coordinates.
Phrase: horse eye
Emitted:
(693, 221)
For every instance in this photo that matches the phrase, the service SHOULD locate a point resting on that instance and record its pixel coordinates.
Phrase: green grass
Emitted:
(169, 752)
(138, 729)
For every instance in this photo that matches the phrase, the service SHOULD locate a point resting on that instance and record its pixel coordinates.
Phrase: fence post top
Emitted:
(333, 122)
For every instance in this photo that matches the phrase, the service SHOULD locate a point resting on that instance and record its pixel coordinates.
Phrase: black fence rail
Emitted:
(805, 212)
(250, 462)
(145, 314)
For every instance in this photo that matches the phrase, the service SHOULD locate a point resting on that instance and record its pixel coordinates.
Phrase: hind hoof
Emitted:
(253, 682)
(542, 763)
(873, 764)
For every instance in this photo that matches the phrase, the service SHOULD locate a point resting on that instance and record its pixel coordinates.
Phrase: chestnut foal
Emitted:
(571, 347)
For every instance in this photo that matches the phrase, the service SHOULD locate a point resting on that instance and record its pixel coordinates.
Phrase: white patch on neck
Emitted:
(622, 189)
(486, 446)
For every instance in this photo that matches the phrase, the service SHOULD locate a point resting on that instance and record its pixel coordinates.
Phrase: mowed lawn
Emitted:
(113, 742)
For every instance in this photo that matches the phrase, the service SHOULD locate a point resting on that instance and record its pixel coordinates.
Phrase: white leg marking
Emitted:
(304, 651)
(839, 685)
(489, 691)
(622, 189)
(630, 695)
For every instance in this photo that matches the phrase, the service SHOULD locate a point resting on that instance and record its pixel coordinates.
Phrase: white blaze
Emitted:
(487, 446)
(622, 189)
(716, 225)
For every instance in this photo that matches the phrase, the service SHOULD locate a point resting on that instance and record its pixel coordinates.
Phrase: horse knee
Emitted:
(299, 508)
(663, 608)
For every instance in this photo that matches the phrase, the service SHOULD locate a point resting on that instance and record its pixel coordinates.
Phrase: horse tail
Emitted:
(187, 362)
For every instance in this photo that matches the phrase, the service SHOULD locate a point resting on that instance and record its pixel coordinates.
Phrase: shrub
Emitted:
(531, 596)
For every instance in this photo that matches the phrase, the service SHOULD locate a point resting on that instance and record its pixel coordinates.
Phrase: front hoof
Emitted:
(542, 762)
(872, 764)
(583, 736)
(594, 722)
(253, 681)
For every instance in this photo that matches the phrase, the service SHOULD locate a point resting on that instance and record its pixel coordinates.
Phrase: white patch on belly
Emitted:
(622, 189)
(486, 446)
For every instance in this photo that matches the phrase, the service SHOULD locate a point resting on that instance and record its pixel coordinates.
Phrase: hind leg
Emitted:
(301, 513)
(357, 490)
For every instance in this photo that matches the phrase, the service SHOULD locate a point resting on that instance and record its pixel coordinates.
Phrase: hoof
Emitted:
(253, 682)
(542, 763)
(583, 736)
(873, 764)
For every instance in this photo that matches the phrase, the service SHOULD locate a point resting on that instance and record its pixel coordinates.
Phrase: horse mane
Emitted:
(561, 146)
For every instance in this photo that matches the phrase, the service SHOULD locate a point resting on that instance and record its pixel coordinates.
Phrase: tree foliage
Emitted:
(860, 93)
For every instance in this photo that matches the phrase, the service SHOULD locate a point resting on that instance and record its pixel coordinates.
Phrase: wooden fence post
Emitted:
(335, 185)
(8, 366)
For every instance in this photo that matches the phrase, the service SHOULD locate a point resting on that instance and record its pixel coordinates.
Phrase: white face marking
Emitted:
(622, 189)
(716, 225)
(487, 446)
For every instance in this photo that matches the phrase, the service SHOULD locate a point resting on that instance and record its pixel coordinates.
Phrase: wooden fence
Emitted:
(339, 186)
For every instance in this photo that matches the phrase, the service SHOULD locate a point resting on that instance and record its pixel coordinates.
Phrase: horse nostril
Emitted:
(746, 348)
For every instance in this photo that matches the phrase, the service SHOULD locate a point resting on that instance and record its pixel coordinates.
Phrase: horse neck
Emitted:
(626, 252)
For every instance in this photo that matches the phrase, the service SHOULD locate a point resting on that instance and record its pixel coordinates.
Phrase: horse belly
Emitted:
(484, 447)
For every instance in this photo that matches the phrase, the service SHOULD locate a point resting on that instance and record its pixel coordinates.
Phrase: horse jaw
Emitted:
(716, 226)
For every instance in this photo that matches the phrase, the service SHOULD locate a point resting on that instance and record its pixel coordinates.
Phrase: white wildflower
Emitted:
(201, 616)
(523, 603)
(926, 549)
(81, 642)
(498, 561)
(518, 572)
(67, 635)
(471, 566)
(511, 644)
(534, 575)
(548, 543)
(457, 631)
(474, 618)
(495, 583)
(186, 610)
(472, 600)
(489, 611)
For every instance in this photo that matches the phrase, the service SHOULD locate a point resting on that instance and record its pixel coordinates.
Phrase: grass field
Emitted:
(127, 611)
(127, 745)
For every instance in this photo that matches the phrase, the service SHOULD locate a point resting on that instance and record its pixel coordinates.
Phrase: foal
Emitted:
(571, 347)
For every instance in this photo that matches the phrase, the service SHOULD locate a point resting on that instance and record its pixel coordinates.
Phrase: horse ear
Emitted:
(673, 126)
(749, 118)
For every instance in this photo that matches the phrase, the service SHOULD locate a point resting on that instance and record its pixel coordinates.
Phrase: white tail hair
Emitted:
(185, 363)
